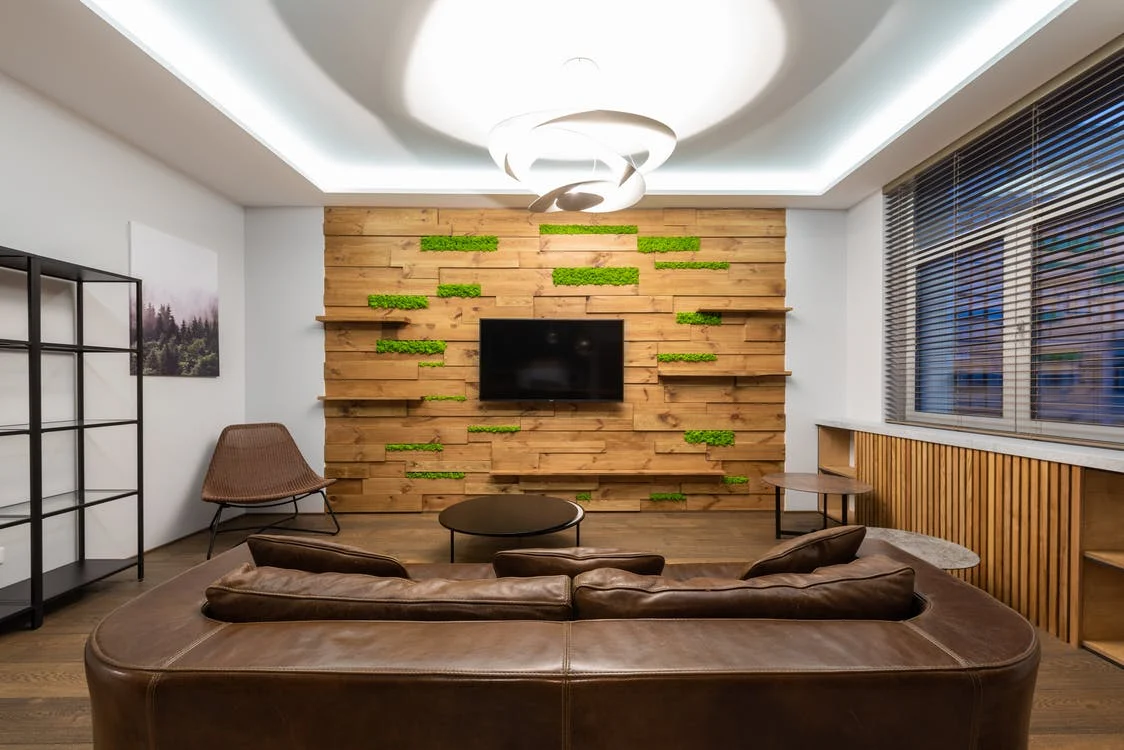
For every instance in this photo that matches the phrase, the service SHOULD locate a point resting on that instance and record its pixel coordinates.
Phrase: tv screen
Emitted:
(551, 360)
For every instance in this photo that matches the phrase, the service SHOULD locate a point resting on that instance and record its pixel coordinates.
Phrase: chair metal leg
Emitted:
(214, 529)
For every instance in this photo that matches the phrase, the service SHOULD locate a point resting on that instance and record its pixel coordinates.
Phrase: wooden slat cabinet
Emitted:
(1102, 564)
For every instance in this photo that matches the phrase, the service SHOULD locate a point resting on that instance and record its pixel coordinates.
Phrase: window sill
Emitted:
(1107, 459)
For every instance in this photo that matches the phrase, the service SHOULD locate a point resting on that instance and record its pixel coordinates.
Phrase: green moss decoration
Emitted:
(687, 357)
(667, 244)
(483, 243)
(431, 364)
(444, 398)
(583, 497)
(698, 319)
(398, 301)
(400, 447)
(734, 479)
(435, 475)
(668, 497)
(587, 229)
(708, 265)
(596, 276)
(494, 428)
(409, 346)
(458, 290)
(710, 437)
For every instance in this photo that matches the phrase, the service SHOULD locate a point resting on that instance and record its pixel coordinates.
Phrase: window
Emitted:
(1005, 273)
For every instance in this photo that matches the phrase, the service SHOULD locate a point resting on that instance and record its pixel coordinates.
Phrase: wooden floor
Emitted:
(1079, 703)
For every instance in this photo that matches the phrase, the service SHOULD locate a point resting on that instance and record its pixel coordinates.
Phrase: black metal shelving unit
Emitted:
(28, 598)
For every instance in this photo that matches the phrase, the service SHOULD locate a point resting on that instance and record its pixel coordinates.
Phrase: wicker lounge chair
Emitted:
(260, 466)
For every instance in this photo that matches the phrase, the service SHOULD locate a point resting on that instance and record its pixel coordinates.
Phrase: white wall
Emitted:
(815, 350)
(69, 191)
(863, 398)
(284, 342)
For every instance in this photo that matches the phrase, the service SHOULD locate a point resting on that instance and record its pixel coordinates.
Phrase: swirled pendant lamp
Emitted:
(604, 155)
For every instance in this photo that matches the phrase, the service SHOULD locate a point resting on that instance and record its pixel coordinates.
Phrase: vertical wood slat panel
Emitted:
(1019, 515)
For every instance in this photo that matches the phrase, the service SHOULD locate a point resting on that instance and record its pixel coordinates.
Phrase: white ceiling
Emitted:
(337, 95)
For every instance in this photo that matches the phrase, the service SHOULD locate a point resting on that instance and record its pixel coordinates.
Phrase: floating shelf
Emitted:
(396, 320)
(336, 399)
(1115, 558)
(714, 372)
(609, 473)
(63, 580)
(746, 307)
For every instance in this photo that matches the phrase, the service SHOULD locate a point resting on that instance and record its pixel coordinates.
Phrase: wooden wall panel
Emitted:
(1019, 514)
(377, 251)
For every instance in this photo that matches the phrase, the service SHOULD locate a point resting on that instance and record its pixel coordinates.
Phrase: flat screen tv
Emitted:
(551, 360)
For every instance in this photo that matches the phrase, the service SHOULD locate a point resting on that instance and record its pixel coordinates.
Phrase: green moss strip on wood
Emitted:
(707, 265)
(698, 319)
(668, 497)
(444, 398)
(710, 437)
(494, 428)
(431, 364)
(458, 290)
(483, 243)
(583, 497)
(667, 244)
(398, 301)
(435, 475)
(400, 447)
(587, 229)
(686, 357)
(734, 479)
(596, 276)
(409, 346)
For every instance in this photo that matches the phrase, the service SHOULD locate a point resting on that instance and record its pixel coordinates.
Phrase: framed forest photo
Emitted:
(180, 310)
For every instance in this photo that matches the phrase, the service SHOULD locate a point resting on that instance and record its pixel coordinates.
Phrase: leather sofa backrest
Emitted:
(570, 561)
(871, 588)
(251, 594)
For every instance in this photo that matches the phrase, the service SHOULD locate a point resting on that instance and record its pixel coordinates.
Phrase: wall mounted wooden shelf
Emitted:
(609, 473)
(839, 470)
(337, 399)
(739, 307)
(393, 320)
(1113, 558)
(715, 372)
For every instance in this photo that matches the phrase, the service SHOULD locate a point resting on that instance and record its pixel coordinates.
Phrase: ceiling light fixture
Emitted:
(583, 157)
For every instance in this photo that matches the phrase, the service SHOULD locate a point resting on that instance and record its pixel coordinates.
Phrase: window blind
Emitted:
(1004, 286)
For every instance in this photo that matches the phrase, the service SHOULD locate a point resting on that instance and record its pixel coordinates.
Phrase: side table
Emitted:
(821, 484)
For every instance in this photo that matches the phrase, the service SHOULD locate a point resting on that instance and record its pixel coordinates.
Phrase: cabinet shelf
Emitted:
(337, 399)
(65, 425)
(62, 580)
(609, 473)
(1113, 558)
(840, 470)
(1111, 650)
(13, 344)
(396, 320)
(56, 505)
(86, 349)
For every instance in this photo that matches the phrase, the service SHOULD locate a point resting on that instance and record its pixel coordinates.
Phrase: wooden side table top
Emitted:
(823, 484)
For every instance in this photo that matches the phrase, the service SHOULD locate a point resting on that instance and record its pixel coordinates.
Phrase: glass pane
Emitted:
(960, 333)
(1078, 345)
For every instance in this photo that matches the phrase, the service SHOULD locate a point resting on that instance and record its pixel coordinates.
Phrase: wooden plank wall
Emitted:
(373, 250)
(1021, 515)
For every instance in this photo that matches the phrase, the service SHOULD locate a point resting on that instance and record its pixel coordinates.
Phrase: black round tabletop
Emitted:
(511, 515)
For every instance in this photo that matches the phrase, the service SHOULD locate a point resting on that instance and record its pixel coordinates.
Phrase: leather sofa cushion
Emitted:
(870, 588)
(253, 594)
(805, 553)
(316, 556)
(570, 561)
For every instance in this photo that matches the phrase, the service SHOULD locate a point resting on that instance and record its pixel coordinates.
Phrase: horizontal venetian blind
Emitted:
(1005, 273)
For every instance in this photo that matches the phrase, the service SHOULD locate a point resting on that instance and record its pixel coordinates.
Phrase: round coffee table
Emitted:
(511, 515)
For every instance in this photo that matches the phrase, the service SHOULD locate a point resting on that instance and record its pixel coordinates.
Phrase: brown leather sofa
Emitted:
(958, 672)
